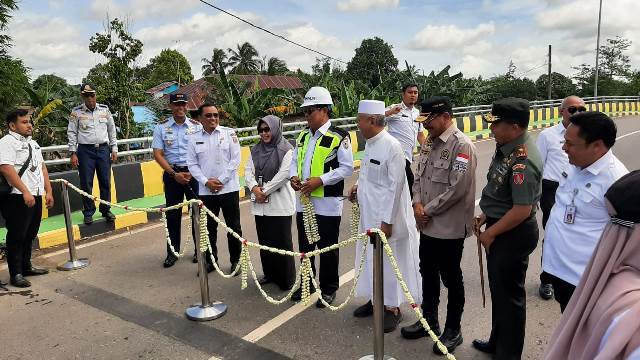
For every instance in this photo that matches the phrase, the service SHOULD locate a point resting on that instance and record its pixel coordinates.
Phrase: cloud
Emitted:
(364, 5)
(199, 34)
(139, 9)
(436, 37)
(51, 45)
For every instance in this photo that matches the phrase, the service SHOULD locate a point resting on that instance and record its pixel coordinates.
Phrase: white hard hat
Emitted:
(317, 95)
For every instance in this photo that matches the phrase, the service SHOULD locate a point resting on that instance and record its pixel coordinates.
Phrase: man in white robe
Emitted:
(383, 195)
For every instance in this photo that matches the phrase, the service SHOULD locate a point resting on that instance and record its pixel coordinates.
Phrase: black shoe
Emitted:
(484, 346)
(450, 339)
(210, 268)
(88, 220)
(328, 298)
(416, 331)
(19, 281)
(365, 310)
(109, 216)
(546, 291)
(195, 259)
(297, 295)
(263, 280)
(170, 261)
(391, 320)
(233, 267)
(33, 271)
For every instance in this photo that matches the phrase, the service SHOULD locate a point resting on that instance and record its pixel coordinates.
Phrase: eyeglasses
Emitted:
(574, 109)
(89, 95)
(263, 130)
(211, 115)
(310, 109)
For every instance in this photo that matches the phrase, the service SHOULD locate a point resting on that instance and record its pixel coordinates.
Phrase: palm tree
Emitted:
(245, 60)
(215, 64)
(276, 66)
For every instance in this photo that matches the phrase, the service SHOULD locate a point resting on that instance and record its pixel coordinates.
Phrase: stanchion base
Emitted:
(74, 265)
(371, 357)
(199, 313)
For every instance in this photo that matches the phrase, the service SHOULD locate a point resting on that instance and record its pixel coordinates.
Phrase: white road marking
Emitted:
(266, 328)
(629, 134)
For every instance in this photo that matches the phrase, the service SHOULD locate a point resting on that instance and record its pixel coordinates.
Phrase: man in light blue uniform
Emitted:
(170, 140)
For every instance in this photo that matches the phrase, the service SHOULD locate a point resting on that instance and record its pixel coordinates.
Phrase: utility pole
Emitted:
(549, 77)
(595, 86)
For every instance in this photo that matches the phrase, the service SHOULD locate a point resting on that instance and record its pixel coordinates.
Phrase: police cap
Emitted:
(176, 98)
(510, 110)
(434, 106)
(87, 88)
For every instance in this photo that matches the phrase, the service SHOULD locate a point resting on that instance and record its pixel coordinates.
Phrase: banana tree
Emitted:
(51, 112)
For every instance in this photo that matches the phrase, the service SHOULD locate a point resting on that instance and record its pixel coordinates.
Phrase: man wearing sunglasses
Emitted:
(92, 144)
(556, 163)
(213, 157)
(170, 141)
(322, 160)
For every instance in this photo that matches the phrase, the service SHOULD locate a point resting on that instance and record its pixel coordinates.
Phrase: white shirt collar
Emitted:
(376, 138)
(19, 137)
(600, 164)
(323, 129)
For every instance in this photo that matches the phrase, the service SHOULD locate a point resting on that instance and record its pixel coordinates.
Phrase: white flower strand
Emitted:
(309, 219)
(166, 231)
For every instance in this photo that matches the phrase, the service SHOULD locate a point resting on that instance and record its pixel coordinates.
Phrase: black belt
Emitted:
(180, 168)
(95, 145)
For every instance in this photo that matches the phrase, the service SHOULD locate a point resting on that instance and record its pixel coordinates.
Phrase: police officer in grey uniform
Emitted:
(93, 147)
(170, 140)
(508, 205)
(443, 203)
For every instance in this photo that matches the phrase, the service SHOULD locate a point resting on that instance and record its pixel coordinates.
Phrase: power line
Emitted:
(271, 32)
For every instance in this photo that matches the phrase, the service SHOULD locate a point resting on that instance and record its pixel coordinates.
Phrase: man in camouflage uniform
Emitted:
(508, 205)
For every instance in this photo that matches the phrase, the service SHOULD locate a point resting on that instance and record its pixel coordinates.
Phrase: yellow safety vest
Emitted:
(324, 159)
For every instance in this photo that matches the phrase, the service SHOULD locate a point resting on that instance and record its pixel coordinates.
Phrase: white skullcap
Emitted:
(371, 107)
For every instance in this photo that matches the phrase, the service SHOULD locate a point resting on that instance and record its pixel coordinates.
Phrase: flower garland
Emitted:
(169, 244)
(309, 219)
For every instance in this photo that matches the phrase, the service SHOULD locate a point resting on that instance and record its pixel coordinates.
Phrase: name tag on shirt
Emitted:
(570, 214)
(374, 161)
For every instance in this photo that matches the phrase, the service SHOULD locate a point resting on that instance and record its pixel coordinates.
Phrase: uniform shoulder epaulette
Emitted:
(162, 121)
(339, 131)
(521, 151)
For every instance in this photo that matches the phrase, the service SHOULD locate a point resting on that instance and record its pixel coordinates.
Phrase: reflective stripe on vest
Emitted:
(325, 151)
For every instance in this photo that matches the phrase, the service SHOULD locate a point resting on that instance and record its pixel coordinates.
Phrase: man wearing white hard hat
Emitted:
(322, 160)
(385, 203)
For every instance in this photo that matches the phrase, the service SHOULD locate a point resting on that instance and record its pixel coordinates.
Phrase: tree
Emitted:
(615, 64)
(116, 76)
(244, 60)
(561, 86)
(214, 65)
(276, 66)
(169, 65)
(6, 6)
(14, 79)
(373, 61)
(49, 82)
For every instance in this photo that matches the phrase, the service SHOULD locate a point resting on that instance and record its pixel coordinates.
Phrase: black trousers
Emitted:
(22, 224)
(275, 231)
(94, 160)
(410, 178)
(507, 264)
(175, 193)
(440, 258)
(229, 203)
(547, 200)
(562, 291)
(329, 230)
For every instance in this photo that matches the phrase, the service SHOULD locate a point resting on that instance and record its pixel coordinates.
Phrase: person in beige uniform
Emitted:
(443, 202)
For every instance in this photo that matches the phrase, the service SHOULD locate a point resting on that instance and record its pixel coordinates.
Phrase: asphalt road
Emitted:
(126, 306)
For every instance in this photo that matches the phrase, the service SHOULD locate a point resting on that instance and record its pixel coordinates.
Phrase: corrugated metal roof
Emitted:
(197, 91)
(158, 88)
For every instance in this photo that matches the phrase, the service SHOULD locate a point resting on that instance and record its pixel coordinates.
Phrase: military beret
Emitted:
(623, 195)
(433, 106)
(87, 88)
(511, 110)
(174, 98)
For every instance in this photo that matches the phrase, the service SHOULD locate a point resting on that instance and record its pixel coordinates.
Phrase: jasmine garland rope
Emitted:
(309, 219)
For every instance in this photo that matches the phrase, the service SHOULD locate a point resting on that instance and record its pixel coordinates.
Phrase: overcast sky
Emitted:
(477, 37)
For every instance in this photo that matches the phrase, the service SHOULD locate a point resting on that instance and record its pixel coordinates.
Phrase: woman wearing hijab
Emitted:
(273, 200)
(602, 320)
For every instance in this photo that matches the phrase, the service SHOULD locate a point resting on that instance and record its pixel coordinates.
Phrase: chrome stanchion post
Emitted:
(74, 263)
(378, 301)
(206, 310)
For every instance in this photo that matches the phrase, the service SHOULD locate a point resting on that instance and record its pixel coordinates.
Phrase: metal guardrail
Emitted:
(297, 127)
